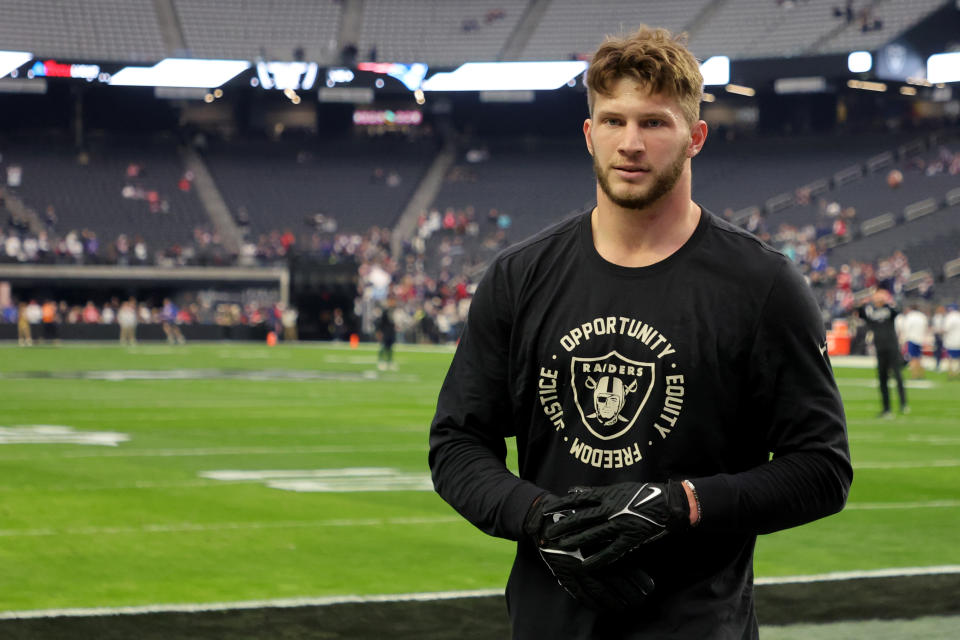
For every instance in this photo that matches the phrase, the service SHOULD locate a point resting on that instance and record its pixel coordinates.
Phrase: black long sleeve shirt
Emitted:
(709, 365)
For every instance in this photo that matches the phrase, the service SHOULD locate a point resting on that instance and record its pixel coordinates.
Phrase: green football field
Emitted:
(213, 473)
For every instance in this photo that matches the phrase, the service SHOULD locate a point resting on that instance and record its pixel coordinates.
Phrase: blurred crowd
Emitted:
(43, 319)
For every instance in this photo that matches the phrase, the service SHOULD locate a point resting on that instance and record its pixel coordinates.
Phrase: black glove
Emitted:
(616, 519)
(614, 588)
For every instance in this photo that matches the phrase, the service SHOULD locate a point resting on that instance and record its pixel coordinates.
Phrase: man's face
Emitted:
(608, 405)
(640, 143)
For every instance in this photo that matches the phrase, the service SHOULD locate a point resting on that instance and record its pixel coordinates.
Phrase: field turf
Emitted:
(158, 518)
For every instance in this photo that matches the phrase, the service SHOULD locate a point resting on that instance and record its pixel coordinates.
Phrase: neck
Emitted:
(642, 237)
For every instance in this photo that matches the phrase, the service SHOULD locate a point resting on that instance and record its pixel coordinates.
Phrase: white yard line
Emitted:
(928, 464)
(930, 504)
(421, 597)
(187, 527)
(899, 572)
(215, 451)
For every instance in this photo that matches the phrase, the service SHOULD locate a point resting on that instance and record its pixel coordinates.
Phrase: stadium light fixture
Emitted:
(808, 84)
(181, 72)
(13, 60)
(943, 67)
(908, 91)
(716, 70)
(859, 61)
(411, 75)
(740, 90)
(506, 76)
(287, 75)
(867, 86)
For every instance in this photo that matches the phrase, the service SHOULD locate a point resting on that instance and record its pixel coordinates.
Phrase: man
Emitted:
(880, 314)
(915, 326)
(169, 321)
(650, 357)
(951, 340)
(936, 326)
(386, 336)
(127, 319)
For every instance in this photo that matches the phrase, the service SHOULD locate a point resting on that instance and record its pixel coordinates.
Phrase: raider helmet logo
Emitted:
(610, 392)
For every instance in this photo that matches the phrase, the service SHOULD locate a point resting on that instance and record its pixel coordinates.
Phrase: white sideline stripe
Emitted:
(932, 504)
(421, 597)
(249, 604)
(874, 384)
(183, 527)
(931, 464)
(903, 572)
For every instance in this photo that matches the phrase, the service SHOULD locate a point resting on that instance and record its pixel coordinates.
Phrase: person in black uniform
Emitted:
(880, 314)
(648, 357)
(387, 336)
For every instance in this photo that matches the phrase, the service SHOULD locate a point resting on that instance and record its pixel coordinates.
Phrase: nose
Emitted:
(631, 140)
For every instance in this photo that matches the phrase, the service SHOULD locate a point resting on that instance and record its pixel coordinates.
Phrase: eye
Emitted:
(613, 122)
(654, 123)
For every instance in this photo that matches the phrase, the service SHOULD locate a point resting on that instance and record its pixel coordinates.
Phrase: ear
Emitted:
(698, 135)
(587, 125)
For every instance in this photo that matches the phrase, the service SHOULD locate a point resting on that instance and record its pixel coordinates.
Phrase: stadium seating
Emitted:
(441, 32)
(285, 184)
(764, 28)
(746, 172)
(896, 18)
(438, 32)
(92, 30)
(928, 241)
(535, 183)
(87, 192)
(272, 29)
(566, 30)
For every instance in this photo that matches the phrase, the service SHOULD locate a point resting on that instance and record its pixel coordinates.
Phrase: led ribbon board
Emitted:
(12, 60)
(181, 72)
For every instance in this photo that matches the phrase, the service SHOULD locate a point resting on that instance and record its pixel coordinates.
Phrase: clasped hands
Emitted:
(584, 535)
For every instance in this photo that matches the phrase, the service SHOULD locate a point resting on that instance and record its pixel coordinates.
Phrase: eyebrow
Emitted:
(661, 115)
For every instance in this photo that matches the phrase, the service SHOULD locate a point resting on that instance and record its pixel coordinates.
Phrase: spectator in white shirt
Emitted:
(915, 326)
(951, 339)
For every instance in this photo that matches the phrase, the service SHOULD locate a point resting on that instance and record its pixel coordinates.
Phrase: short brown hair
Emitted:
(653, 57)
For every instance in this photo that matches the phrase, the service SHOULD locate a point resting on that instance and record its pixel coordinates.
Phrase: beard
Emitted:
(663, 183)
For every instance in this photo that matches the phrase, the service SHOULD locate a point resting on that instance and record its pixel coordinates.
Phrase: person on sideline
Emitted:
(951, 340)
(880, 314)
(127, 319)
(915, 326)
(664, 374)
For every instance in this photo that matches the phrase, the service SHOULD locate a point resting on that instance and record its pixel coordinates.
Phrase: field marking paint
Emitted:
(221, 451)
(928, 464)
(873, 384)
(194, 527)
(244, 354)
(351, 479)
(250, 375)
(58, 434)
(358, 360)
(285, 603)
(901, 572)
(190, 527)
(873, 506)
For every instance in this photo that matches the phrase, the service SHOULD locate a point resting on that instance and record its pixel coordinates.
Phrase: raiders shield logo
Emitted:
(610, 392)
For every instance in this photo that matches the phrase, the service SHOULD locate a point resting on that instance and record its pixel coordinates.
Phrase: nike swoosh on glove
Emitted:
(614, 588)
(617, 519)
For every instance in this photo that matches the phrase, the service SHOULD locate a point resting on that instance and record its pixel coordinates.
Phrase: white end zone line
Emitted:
(903, 572)
(281, 603)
